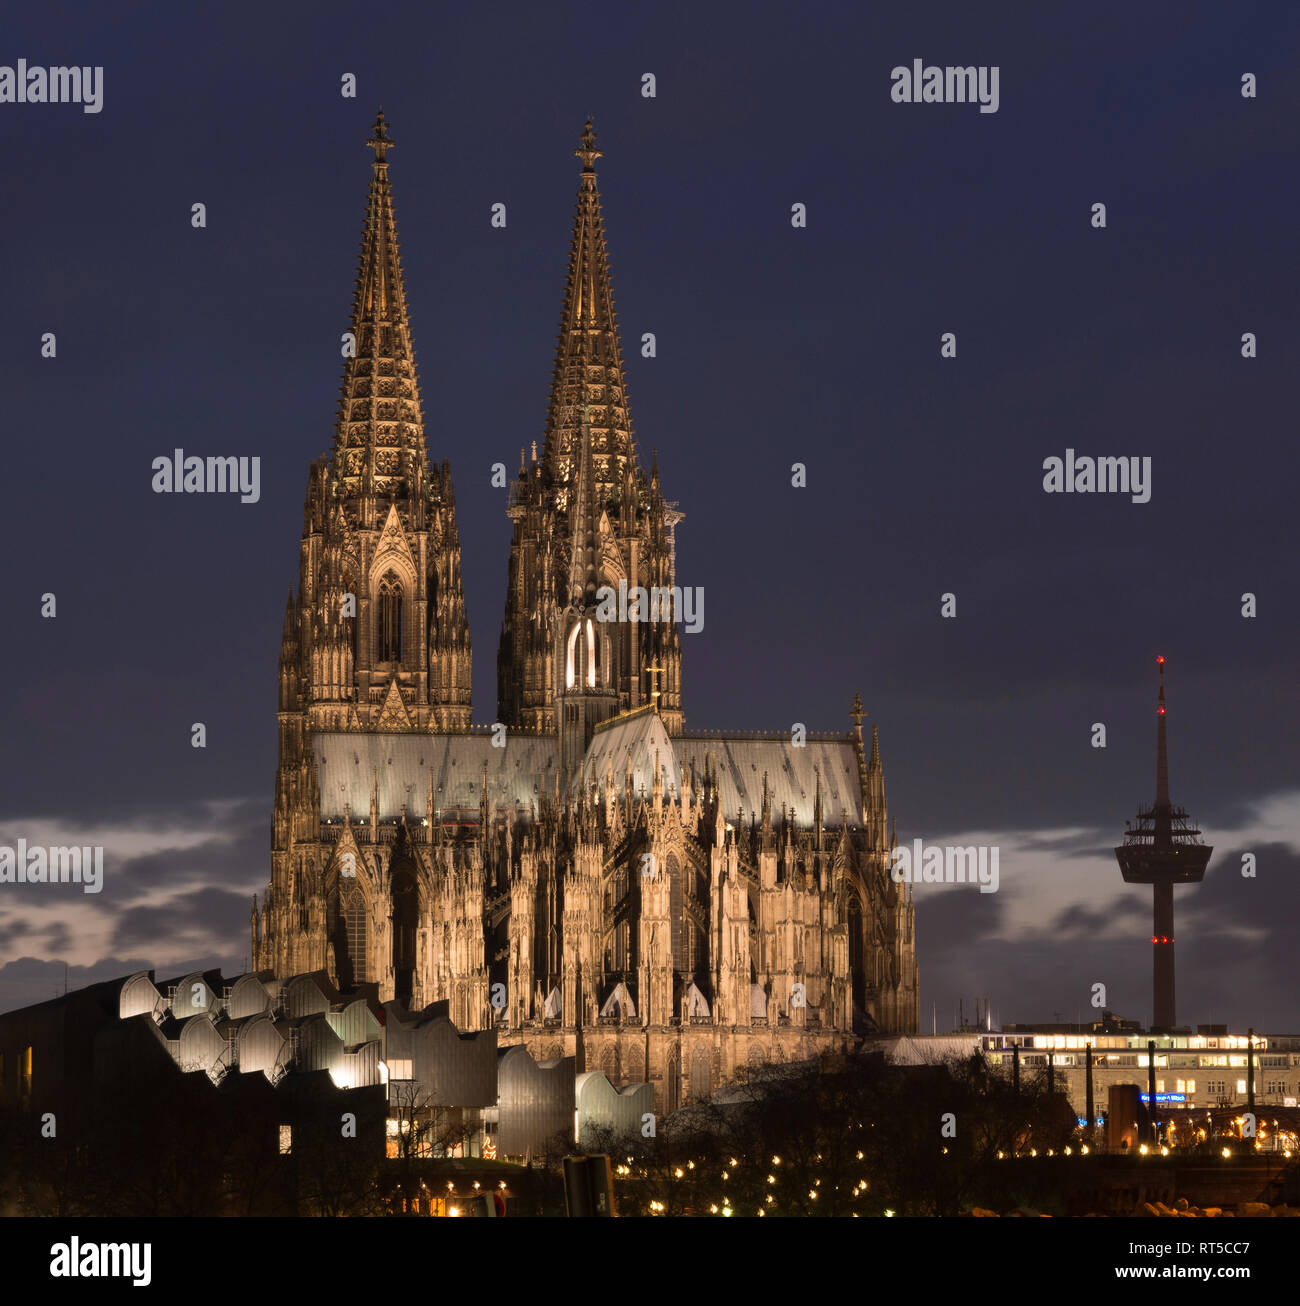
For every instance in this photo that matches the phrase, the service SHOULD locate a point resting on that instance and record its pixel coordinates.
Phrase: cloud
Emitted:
(29, 980)
(204, 916)
(1078, 920)
(175, 889)
(239, 854)
(956, 916)
(57, 937)
(16, 927)
(1064, 921)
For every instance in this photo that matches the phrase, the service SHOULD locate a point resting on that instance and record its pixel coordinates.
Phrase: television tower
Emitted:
(1162, 848)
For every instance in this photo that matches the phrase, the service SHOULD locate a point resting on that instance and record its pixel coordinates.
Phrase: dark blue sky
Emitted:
(775, 345)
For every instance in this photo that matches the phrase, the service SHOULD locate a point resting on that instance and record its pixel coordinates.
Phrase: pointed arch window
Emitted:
(389, 619)
(405, 920)
(350, 614)
(857, 969)
(353, 934)
(570, 659)
(580, 661)
(677, 910)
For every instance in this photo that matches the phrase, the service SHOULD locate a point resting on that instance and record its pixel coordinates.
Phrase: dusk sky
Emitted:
(775, 344)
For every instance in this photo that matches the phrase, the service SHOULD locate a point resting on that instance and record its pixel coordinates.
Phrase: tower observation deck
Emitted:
(1162, 847)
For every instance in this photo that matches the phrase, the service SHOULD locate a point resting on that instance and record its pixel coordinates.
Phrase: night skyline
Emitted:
(774, 345)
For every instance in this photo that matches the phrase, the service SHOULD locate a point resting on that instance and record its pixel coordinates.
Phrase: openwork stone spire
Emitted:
(589, 357)
(380, 440)
(586, 516)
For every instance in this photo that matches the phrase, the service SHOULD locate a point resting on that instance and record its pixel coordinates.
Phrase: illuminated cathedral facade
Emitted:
(584, 874)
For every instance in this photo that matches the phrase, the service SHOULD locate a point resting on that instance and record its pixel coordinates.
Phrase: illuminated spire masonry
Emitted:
(626, 533)
(584, 875)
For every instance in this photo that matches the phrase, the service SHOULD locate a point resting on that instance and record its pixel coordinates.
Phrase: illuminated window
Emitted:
(400, 1068)
(286, 1139)
(1160, 1085)
(1241, 1086)
(25, 1070)
(570, 670)
(1191, 1086)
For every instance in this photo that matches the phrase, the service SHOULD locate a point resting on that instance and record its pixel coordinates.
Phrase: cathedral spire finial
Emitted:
(377, 448)
(589, 349)
(587, 150)
(381, 142)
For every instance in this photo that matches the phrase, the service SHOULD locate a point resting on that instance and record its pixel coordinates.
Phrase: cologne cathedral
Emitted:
(585, 874)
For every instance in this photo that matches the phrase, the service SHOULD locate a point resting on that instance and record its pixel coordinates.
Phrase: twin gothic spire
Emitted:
(380, 435)
(380, 443)
(587, 511)
(585, 516)
(589, 357)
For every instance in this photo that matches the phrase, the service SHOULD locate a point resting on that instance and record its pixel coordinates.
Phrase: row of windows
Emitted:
(1125, 1042)
(1219, 1087)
